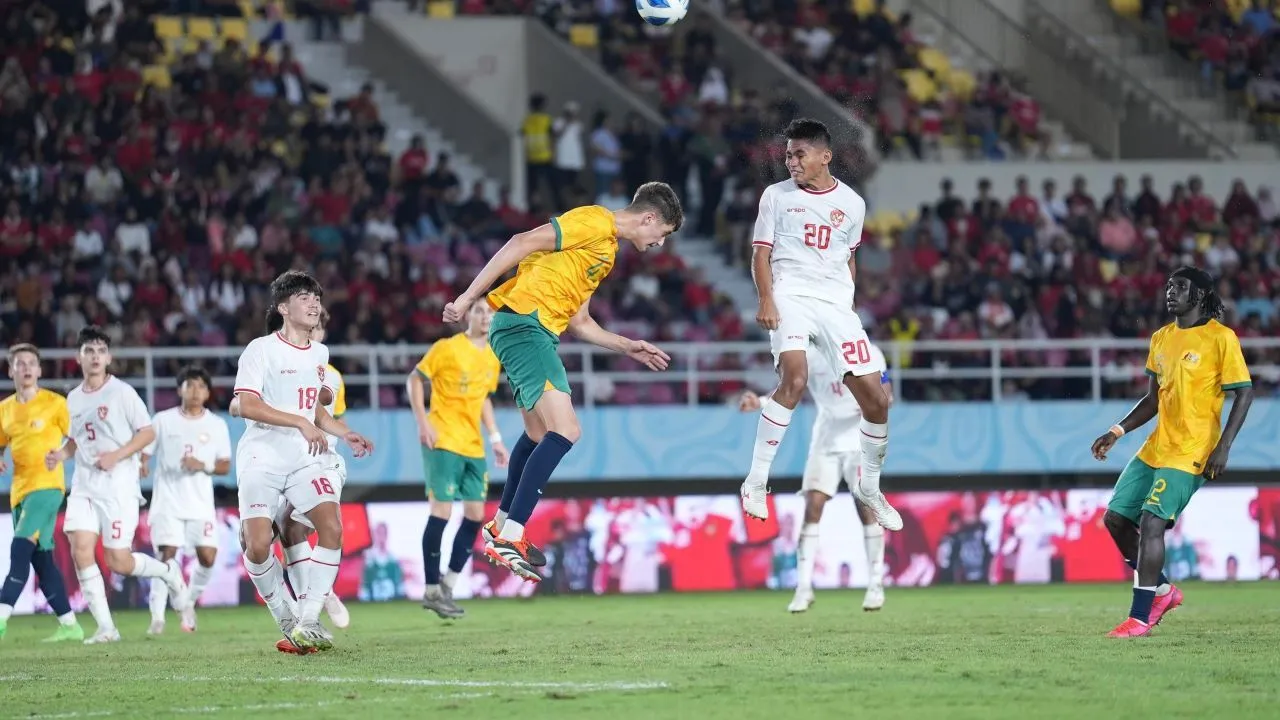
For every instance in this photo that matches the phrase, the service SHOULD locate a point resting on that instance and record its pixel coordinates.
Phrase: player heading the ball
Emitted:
(558, 266)
(804, 269)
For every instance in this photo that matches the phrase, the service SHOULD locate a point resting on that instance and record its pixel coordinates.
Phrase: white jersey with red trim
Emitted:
(287, 377)
(102, 421)
(812, 235)
(177, 492)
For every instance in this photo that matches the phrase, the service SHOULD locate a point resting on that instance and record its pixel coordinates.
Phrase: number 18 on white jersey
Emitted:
(287, 377)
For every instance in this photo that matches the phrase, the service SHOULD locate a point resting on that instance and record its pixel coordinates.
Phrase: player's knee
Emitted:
(473, 511)
(792, 386)
(119, 560)
(441, 509)
(206, 557)
(1116, 523)
(1152, 526)
(570, 430)
(295, 532)
(328, 530)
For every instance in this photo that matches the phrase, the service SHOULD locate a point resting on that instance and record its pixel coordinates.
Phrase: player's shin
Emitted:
(463, 541)
(53, 586)
(199, 581)
(432, 540)
(874, 536)
(537, 472)
(520, 453)
(874, 441)
(147, 566)
(95, 596)
(807, 556)
(321, 574)
(20, 554)
(772, 427)
(157, 601)
(297, 560)
(268, 580)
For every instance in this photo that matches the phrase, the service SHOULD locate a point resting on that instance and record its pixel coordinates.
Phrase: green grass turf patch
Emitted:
(972, 652)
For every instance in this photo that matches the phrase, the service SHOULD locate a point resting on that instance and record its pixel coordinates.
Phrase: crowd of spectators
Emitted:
(1235, 43)
(157, 193)
(1066, 263)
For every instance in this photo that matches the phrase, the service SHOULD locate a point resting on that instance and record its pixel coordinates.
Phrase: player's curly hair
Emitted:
(92, 334)
(808, 130)
(660, 199)
(1210, 304)
(290, 283)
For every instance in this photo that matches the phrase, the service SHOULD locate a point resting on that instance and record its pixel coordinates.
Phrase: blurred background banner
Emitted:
(700, 543)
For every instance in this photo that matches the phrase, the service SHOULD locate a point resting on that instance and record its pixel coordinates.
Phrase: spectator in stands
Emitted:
(570, 150)
(606, 153)
(539, 150)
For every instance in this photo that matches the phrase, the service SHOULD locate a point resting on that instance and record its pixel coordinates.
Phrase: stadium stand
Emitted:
(163, 171)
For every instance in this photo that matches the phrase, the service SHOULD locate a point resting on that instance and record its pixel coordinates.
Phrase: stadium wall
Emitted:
(700, 543)
(904, 187)
(956, 442)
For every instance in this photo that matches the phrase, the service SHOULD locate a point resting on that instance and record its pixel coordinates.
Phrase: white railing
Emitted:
(1100, 361)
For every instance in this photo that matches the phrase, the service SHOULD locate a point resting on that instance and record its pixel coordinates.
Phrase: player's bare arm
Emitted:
(585, 328)
(326, 396)
(254, 408)
(853, 267)
(762, 275)
(417, 387)
(490, 424)
(519, 247)
(136, 444)
(221, 466)
(62, 454)
(360, 445)
(1241, 400)
(749, 402)
(1140, 415)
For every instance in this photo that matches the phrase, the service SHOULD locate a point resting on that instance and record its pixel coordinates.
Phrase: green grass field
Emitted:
(955, 653)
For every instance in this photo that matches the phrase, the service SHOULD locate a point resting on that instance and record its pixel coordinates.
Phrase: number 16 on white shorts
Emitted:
(835, 331)
(262, 491)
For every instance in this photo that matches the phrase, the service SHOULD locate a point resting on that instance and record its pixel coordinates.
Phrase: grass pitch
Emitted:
(980, 652)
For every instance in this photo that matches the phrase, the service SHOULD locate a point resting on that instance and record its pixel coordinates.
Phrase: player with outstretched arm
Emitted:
(34, 421)
(284, 455)
(110, 426)
(1193, 364)
(834, 455)
(191, 446)
(463, 373)
(804, 269)
(558, 266)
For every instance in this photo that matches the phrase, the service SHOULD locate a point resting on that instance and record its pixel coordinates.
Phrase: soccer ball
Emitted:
(662, 12)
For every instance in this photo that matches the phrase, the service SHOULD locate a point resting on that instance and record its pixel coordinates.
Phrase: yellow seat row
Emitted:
(201, 28)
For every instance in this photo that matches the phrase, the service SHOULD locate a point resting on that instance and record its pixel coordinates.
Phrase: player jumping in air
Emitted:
(1193, 363)
(560, 266)
(834, 451)
(191, 446)
(804, 269)
(284, 455)
(110, 426)
(34, 421)
(463, 372)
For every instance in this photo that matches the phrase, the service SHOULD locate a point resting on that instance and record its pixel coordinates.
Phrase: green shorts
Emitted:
(1163, 492)
(37, 516)
(451, 476)
(528, 355)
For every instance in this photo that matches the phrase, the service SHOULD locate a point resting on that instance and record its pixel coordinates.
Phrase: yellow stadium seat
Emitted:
(863, 8)
(584, 35)
(234, 29)
(961, 83)
(1127, 8)
(889, 221)
(919, 86)
(934, 61)
(201, 28)
(157, 75)
(174, 48)
(247, 9)
(168, 27)
(441, 9)
(1108, 269)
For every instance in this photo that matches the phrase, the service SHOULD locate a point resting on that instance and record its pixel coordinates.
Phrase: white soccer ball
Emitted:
(662, 12)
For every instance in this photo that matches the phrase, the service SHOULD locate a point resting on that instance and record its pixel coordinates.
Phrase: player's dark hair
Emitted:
(290, 283)
(21, 348)
(1210, 304)
(92, 334)
(659, 198)
(808, 130)
(195, 372)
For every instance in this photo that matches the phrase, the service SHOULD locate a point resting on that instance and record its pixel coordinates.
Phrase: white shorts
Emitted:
(834, 331)
(262, 493)
(824, 471)
(114, 519)
(168, 531)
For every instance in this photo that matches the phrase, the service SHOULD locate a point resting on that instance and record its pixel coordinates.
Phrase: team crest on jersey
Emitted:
(837, 217)
(1191, 358)
(204, 438)
(102, 412)
(320, 372)
(37, 424)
